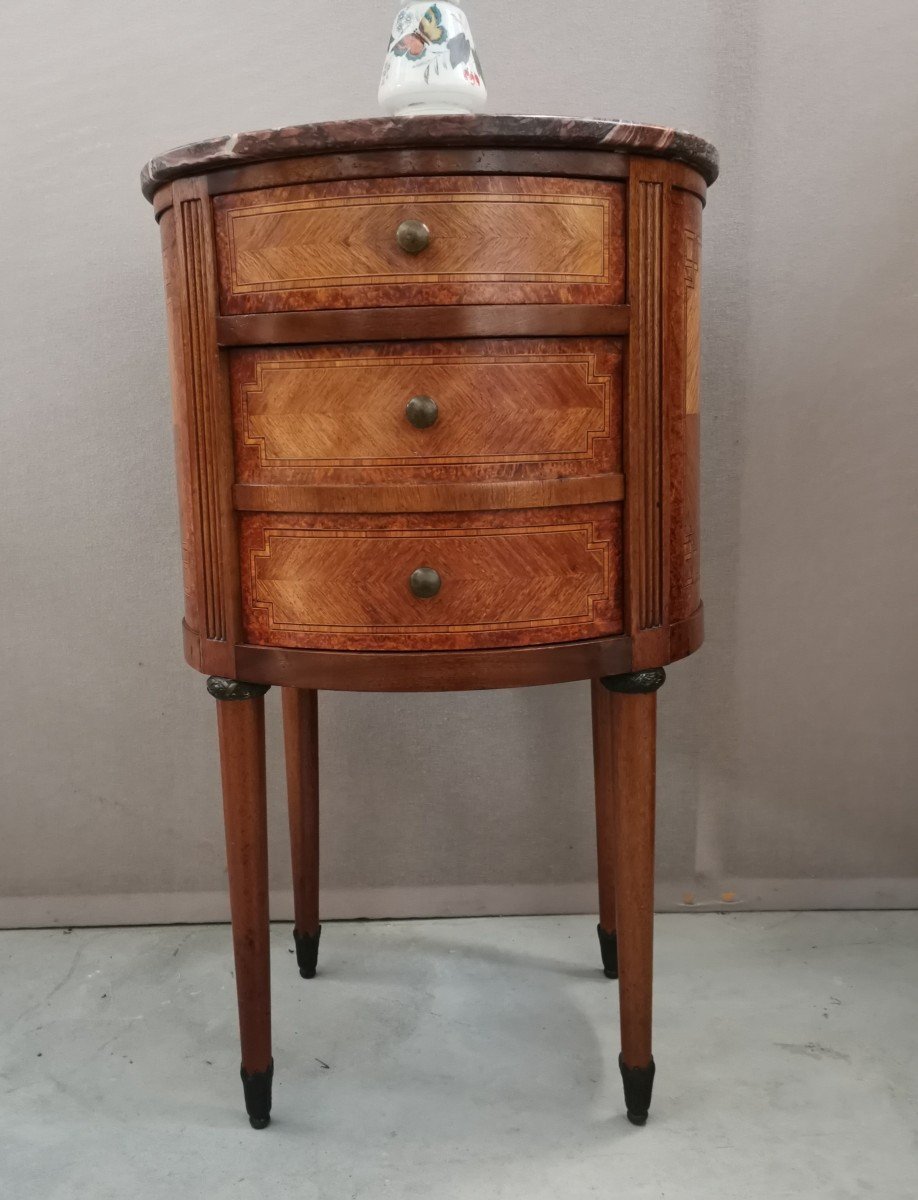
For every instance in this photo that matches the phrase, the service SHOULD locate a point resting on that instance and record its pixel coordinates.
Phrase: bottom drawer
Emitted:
(432, 581)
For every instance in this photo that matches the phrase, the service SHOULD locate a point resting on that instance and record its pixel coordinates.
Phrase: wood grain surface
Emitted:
(428, 496)
(493, 240)
(241, 729)
(683, 406)
(301, 757)
(182, 402)
(444, 160)
(631, 734)
(202, 421)
(338, 414)
(645, 396)
(434, 671)
(601, 708)
(509, 579)
(411, 324)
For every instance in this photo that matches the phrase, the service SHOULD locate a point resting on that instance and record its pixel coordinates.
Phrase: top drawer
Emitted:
(488, 240)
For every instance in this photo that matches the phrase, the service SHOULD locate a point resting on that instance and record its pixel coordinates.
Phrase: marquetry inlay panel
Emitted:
(329, 412)
(493, 240)
(515, 578)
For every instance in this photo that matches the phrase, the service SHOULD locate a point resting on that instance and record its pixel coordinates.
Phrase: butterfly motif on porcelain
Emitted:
(430, 31)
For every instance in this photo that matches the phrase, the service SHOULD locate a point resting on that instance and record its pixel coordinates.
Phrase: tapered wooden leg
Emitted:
(241, 727)
(301, 744)
(632, 731)
(605, 828)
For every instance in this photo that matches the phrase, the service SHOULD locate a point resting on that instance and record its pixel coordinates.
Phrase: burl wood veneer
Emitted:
(511, 578)
(514, 408)
(436, 397)
(504, 240)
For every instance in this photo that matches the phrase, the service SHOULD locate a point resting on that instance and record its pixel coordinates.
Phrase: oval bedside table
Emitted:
(436, 393)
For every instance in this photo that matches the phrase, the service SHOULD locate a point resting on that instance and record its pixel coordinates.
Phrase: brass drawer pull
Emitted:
(425, 583)
(422, 412)
(413, 236)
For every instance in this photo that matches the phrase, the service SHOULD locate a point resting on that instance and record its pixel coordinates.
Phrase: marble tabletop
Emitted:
(373, 133)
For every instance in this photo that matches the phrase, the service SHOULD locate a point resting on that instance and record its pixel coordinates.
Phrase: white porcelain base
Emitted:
(431, 110)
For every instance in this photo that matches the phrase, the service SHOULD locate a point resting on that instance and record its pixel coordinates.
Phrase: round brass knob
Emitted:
(413, 236)
(422, 412)
(425, 583)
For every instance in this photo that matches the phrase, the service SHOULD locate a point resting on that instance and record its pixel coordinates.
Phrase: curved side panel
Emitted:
(661, 426)
(180, 426)
(202, 419)
(685, 637)
(683, 404)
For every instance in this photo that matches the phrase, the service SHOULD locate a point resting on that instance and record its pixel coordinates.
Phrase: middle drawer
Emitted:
(458, 410)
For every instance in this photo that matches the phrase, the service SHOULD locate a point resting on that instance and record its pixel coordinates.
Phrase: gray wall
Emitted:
(789, 756)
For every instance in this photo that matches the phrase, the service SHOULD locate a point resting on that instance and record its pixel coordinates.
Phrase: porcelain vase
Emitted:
(431, 65)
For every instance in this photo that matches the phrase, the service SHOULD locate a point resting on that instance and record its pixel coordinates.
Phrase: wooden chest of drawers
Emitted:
(436, 406)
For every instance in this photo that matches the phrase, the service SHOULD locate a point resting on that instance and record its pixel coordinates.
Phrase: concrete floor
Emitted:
(466, 1060)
